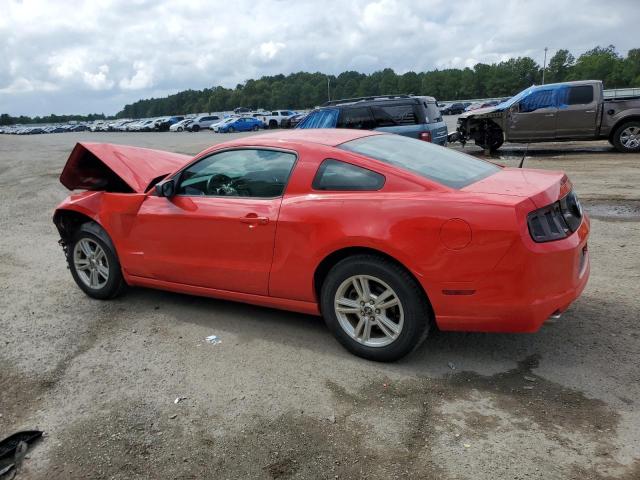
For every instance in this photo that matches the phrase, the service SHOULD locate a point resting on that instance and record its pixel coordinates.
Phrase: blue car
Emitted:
(412, 116)
(240, 124)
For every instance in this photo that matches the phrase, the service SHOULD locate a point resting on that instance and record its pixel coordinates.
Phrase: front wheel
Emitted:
(256, 128)
(491, 140)
(626, 138)
(93, 262)
(179, 129)
(231, 130)
(195, 128)
(375, 308)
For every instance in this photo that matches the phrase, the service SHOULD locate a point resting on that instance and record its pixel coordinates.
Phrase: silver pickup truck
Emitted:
(555, 112)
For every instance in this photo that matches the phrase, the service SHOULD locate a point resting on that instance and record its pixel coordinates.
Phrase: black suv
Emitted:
(412, 116)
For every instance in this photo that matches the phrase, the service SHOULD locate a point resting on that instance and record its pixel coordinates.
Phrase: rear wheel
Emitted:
(93, 262)
(273, 124)
(231, 130)
(375, 308)
(256, 128)
(627, 137)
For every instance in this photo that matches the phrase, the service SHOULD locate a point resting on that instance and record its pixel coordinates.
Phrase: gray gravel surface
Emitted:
(278, 397)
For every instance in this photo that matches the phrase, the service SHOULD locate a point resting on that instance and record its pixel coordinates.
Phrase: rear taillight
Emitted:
(426, 136)
(556, 221)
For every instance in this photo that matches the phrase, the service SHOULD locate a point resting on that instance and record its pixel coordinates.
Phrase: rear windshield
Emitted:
(433, 112)
(442, 165)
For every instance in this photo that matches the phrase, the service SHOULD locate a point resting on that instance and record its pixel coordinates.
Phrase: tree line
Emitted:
(306, 90)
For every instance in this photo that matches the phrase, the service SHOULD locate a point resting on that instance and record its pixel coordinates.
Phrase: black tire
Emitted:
(231, 130)
(195, 128)
(255, 128)
(273, 124)
(618, 140)
(179, 129)
(115, 283)
(492, 140)
(418, 317)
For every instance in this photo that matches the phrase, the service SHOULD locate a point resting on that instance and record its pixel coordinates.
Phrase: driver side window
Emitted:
(536, 100)
(239, 173)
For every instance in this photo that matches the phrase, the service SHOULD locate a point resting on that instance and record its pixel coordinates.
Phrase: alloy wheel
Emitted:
(91, 263)
(369, 310)
(630, 137)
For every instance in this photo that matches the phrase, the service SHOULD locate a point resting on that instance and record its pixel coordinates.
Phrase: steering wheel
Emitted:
(220, 184)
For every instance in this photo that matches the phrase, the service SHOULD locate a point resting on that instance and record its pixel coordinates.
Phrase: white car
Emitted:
(276, 118)
(203, 121)
(181, 125)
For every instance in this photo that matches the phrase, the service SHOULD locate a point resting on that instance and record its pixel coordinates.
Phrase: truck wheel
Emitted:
(494, 140)
(626, 138)
(273, 124)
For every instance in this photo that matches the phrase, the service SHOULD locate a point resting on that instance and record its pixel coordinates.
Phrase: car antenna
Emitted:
(524, 156)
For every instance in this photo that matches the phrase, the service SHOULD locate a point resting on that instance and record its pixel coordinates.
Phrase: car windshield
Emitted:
(445, 166)
(325, 118)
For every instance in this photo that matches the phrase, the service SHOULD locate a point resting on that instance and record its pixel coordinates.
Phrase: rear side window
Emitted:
(580, 95)
(442, 165)
(358, 118)
(403, 114)
(340, 176)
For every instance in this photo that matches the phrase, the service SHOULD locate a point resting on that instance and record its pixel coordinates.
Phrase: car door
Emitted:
(218, 230)
(577, 113)
(534, 117)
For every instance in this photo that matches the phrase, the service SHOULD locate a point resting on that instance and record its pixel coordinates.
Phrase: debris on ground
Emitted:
(179, 399)
(13, 451)
(213, 339)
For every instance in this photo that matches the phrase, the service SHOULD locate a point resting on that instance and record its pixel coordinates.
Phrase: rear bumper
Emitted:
(530, 284)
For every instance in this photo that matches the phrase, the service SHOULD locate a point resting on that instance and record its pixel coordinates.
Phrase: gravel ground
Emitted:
(278, 397)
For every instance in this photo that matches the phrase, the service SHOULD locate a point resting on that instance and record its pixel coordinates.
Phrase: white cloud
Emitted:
(99, 80)
(268, 50)
(97, 56)
(141, 79)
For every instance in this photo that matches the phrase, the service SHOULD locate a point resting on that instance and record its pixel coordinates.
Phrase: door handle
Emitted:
(590, 111)
(550, 115)
(252, 218)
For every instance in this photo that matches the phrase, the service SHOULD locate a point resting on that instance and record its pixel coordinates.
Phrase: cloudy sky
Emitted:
(59, 56)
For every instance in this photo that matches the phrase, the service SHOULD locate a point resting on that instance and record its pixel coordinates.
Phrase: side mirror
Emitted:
(166, 188)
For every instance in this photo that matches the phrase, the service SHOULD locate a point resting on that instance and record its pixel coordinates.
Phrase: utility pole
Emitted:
(544, 65)
(328, 89)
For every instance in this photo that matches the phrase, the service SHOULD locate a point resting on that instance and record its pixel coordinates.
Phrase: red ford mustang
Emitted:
(383, 235)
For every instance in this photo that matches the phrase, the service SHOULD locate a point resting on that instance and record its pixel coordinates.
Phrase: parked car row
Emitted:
(241, 120)
(33, 130)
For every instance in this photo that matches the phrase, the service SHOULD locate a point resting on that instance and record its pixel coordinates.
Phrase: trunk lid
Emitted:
(543, 187)
(117, 168)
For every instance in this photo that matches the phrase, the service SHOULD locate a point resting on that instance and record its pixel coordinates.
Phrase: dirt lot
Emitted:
(278, 397)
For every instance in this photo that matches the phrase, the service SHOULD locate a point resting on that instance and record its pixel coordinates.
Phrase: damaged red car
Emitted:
(385, 236)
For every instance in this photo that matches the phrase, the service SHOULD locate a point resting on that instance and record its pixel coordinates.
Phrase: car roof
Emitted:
(330, 137)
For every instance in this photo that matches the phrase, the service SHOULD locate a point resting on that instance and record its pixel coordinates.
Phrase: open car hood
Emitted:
(117, 168)
(481, 111)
